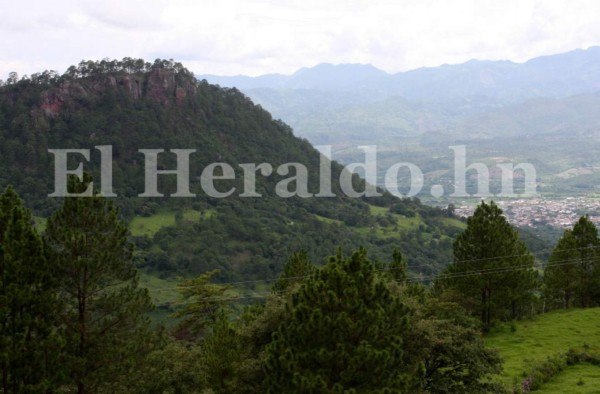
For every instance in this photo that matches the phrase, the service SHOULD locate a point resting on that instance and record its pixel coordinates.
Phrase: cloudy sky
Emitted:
(264, 36)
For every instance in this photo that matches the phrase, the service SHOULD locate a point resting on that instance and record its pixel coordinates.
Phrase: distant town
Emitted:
(533, 212)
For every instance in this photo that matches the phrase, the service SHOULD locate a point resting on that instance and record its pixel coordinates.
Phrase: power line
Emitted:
(386, 269)
(410, 279)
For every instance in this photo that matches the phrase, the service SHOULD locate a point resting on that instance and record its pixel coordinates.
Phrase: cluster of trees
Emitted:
(72, 316)
(572, 275)
(269, 231)
(75, 320)
(87, 68)
(495, 277)
(350, 326)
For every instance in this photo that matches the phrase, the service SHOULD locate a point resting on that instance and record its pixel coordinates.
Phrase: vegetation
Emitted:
(30, 331)
(104, 309)
(572, 276)
(492, 272)
(391, 334)
(576, 379)
(548, 339)
(132, 104)
(74, 317)
(344, 300)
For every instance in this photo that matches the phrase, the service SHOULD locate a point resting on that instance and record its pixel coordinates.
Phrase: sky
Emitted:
(253, 37)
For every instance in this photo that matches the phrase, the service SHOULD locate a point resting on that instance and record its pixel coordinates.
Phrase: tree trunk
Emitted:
(82, 328)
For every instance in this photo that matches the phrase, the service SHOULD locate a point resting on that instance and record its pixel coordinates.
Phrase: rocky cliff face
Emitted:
(162, 86)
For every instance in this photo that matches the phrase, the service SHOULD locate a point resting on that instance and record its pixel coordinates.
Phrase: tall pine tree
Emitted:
(572, 276)
(104, 315)
(492, 269)
(30, 341)
(343, 333)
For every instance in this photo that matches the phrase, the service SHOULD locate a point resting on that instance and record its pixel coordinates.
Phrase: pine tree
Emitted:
(202, 306)
(398, 268)
(29, 338)
(492, 268)
(297, 268)
(104, 315)
(343, 332)
(573, 271)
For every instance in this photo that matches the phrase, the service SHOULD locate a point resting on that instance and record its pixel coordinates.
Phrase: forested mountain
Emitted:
(134, 105)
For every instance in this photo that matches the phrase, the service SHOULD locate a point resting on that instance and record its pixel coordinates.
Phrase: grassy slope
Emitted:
(403, 223)
(578, 379)
(546, 335)
(150, 225)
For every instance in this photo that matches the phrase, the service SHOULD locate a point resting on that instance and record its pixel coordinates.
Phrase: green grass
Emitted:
(161, 291)
(150, 225)
(164, 295)
(454, 222)
(147, 226)
(577, 379)
(402, 223)
(378, 211)
(405, 223)
(543, 336)
(328, 220)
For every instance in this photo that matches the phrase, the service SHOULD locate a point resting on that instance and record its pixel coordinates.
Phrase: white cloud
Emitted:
(256, 37)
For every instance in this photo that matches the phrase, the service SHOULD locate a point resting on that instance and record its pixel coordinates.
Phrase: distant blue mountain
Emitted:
(552, 76)
(353, 104)
(544, 111)
(324, 76)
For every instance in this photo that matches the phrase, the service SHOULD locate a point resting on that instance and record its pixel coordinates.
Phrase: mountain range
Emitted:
(543, 111)
(552, 76)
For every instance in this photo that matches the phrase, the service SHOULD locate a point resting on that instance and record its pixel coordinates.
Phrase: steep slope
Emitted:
(134, 105)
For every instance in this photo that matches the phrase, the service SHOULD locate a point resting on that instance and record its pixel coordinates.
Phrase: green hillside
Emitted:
(528, 344)
(132, 105)
(578, 379)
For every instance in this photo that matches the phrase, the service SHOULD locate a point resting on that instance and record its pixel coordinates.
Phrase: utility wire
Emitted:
(488, 271)
(386, 269)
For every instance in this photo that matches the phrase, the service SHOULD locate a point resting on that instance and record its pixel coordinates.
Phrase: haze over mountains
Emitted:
(553, 76)
(542, 111)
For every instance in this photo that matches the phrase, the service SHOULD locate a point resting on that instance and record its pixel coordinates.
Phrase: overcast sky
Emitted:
(254, 37)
